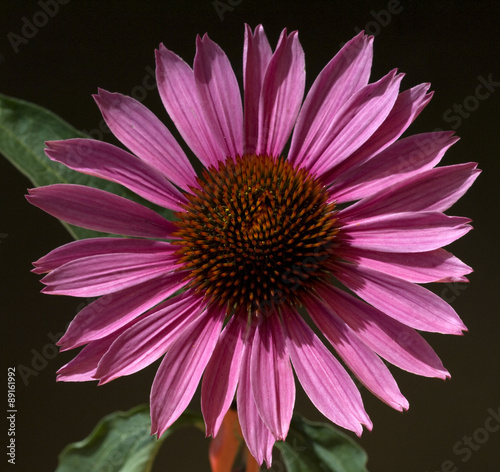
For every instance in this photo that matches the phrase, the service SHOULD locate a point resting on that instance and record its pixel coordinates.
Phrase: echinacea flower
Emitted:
(342, 228)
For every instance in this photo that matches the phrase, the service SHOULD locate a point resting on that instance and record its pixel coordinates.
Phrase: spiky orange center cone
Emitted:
(226, 447)
(256, 233)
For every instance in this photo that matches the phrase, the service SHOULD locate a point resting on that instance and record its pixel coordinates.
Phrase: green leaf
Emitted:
(24, 128)
(121, 442)
(319, 447)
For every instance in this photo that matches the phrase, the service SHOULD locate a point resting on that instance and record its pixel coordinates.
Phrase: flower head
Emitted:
(342, 227)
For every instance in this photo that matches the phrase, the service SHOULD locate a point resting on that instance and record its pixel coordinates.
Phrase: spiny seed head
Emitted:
(256, 233)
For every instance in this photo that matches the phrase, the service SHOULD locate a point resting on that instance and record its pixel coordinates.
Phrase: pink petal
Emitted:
(405, 232)
(432, 190)
(146, 136)
(94, 246)
(116, 165)
(343, 76)
(272, 379)
(150, 337)
(110, 312)
(106, 273)
(256, 56)
(83, 367)
(258, 438)
(281, 95)
(322, 377)
(178, 92)
(392, 340)
(407, 107)
(355, 122)
(96, 209)
(221, 375)
(403, 159)
(420, 267)
(181, 369)
(362, 361)
(219, 95)
(404, 301)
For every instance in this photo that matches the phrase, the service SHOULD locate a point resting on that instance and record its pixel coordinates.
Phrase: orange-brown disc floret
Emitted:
(256, 233)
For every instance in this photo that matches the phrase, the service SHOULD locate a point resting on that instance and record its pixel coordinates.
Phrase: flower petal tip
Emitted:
(368, 424)
(461, 329)
(103, 95)
(156, 430)
(402, 404)
(49, 145)
(37, 269)
(61, 341)
(358, 429)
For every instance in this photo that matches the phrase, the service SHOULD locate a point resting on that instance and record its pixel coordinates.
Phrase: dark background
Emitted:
(110, 44)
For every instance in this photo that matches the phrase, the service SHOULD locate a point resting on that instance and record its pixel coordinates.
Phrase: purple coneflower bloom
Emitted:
(341, 228)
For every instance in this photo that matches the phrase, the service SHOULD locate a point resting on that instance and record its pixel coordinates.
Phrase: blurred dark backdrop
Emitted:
(110, 44)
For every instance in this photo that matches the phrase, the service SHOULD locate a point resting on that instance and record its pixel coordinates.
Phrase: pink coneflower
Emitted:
(343, 227)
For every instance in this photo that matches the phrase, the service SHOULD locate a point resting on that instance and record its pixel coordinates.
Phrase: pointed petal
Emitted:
(109, 162)
(179, 95)
(150, 337)
(343, 76)
(322, 377)
(221, 375)
(403, 159)
(96, 209)
(83, 367)
(281, 95)
(355, 122)
(146, 136)
(407, 107)
(404, 301)
(362, 361)
(432, 190)
(94, 246)
(181, 369)
(419, 267)
(219, 95)
(273, 385)
(392, 340)
(110, 312)
(93, 276)
(257, 436)
(256, 56)
(405, 232)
